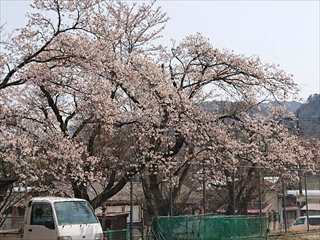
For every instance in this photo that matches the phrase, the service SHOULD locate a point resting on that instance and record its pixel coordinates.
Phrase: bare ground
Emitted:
(300, 236)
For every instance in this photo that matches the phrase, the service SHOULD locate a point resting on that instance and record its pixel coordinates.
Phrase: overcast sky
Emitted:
(282, 32)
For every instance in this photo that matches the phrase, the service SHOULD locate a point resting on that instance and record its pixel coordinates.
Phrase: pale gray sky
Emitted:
(282, 32)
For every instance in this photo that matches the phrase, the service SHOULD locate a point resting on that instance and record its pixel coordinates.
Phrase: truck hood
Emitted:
(80, 232)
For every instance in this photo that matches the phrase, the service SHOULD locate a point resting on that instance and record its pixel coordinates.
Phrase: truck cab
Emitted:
(301, 224)
(52, 218)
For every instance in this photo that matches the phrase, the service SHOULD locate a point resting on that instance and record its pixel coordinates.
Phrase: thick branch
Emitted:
(108, 193)
(55, 109)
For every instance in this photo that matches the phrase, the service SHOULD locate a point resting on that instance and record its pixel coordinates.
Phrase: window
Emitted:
(314, 221)
(74, 212)
(300, 221)
(136, 213)
(41, 214)
(291, 215)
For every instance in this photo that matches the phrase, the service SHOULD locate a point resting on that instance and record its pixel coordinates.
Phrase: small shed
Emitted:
(114, 225)
(113, 221)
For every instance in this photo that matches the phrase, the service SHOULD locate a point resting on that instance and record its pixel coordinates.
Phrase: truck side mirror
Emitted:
(49, 224)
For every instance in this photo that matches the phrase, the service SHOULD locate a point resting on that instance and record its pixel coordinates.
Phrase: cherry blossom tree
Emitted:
(191, 67)
(91, 100)
(73, 68)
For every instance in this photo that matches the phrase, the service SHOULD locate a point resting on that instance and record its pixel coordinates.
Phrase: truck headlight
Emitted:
(65, 238)
(99, 236)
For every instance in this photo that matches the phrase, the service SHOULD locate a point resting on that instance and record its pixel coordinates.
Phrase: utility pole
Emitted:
(284, 206)
(131, 209)
(203, 188)
(171, 197)
(306, 195)
(234, 192)
(260, 195)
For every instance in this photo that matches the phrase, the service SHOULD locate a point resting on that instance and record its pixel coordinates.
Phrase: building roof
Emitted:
(310, 193)
(312, 207)
(257, 210)
(265, 209)
(312, 216)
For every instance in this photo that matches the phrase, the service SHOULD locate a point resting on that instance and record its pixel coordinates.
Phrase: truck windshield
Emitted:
(74, 212)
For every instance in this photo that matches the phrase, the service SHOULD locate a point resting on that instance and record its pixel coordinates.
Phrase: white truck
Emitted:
(53, 218)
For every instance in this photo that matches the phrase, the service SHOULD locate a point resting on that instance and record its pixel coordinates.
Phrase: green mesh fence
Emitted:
(209, 227)
(122, 234)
